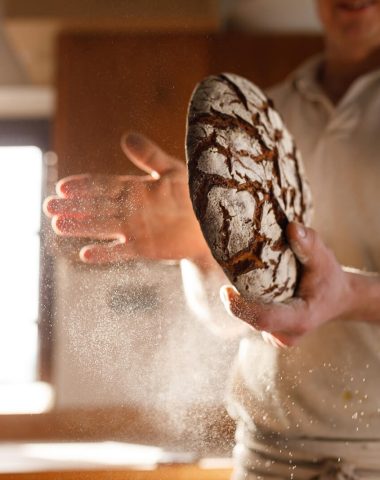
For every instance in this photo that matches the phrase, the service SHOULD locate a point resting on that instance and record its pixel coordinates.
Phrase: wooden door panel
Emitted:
(111, 83)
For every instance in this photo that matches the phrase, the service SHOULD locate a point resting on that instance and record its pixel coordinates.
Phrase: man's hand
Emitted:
(148, 216)
(324, 293)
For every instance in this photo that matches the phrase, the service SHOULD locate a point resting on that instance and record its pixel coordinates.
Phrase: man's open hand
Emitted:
(148, 216)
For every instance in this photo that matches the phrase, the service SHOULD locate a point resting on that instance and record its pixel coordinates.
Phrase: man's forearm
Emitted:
(201, 283)
(364, 304)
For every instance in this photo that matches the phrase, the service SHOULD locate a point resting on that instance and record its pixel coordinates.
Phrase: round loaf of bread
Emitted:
(246, 184)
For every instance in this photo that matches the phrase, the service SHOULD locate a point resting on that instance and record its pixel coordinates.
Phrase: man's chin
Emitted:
(359, 37)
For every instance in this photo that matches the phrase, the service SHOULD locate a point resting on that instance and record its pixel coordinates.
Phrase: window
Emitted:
(20, 200)
(22, 178)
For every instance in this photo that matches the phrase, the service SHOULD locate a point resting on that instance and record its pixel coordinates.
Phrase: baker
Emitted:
(312, 410)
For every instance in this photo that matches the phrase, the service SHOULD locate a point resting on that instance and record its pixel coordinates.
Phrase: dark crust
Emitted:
(201, 183)
(223, 121)
(248, 259)
(236, 89)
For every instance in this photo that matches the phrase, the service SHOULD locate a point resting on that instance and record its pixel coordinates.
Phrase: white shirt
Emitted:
(329, 385)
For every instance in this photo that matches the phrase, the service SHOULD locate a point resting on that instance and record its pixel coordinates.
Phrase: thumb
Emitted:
(146, 155)
(306, 244)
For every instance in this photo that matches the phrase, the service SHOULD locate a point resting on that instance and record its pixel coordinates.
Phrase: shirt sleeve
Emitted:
(202, 296)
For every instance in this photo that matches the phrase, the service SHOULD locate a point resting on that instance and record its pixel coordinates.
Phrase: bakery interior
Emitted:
(104, 371)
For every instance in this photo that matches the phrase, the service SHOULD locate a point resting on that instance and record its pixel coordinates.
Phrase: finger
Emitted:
(79, 207)
(114, 252)
(147, 155)
(46, 205)
(80, 186)
(274, 317)
(306, 244)
(72, 185)
(96, 228)
(286, 340)
(272, 340)
(237, 306)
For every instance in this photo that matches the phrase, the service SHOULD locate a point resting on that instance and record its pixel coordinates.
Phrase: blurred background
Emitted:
(113, 354)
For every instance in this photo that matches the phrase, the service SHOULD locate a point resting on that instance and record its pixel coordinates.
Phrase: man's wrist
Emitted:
(364, 296)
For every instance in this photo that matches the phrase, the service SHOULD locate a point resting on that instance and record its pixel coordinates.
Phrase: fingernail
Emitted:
(133, 140)
(224, 295)
(86, 254)
(64, 187)
(62, 224)
(73, 186)
(47, 206)
(300, 230)
(228, 293)
(299, 251)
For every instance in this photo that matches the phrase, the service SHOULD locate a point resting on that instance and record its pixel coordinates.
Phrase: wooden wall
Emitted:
(111, 83)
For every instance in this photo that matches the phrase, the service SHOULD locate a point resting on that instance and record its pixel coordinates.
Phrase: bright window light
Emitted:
(20, 214)
(36, 397)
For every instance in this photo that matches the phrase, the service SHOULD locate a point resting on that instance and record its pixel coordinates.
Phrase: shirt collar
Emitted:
(305, 81)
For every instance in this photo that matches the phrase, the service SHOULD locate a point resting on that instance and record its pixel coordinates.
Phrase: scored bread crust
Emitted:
(247, 183)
